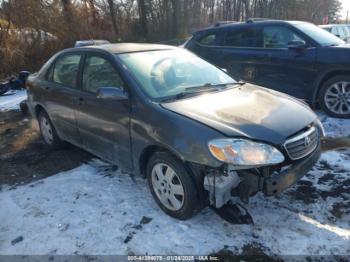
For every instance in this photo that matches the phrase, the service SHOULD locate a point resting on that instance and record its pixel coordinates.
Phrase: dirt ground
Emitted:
(23, 155)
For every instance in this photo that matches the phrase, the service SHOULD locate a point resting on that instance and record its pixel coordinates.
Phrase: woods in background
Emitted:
(32, 30)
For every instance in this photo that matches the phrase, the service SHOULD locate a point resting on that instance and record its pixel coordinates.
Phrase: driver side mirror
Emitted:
(297, 45)
(112, 93)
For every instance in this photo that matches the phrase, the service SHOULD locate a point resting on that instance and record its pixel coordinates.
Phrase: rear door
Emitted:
(241, 52)
(60, 94)
(103, 124)
(208, 45)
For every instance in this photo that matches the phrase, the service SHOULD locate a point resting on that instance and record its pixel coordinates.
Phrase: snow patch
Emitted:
(95, 210)
(12, 99)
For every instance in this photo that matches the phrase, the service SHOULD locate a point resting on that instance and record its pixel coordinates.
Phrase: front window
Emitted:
(279, 37)
(319, 35)
(98, 72)
(168, 73)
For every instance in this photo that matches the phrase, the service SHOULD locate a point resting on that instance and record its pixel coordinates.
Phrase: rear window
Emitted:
(244, 37)
(66, 69)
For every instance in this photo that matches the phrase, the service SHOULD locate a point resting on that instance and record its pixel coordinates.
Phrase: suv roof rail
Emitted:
(220, 23)
(252, 20)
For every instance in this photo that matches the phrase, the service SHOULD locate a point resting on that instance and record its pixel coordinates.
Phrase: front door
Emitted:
(284, 69)
(103, 124)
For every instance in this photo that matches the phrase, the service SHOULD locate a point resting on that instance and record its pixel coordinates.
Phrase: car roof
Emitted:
(242, 24)
(121, 48)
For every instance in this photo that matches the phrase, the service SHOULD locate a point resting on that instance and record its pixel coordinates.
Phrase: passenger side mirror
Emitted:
(112, 93)
(297, 45)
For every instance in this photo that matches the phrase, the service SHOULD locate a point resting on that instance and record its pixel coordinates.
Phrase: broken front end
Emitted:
(252, 167)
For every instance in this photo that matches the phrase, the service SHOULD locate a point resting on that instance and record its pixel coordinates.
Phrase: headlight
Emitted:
(243, 152)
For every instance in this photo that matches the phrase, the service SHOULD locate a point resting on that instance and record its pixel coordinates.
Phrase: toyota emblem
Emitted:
(307, 141)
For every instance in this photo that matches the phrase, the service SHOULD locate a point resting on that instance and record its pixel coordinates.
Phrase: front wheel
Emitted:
(334, 97)
(171, 186)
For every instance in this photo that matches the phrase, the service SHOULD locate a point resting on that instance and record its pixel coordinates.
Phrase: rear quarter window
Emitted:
(209, 39)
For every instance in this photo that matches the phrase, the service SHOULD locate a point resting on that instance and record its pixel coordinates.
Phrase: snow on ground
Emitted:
(11, 100)
(334, 126)
(94, 210)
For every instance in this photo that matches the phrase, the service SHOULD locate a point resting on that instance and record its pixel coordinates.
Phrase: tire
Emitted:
(48, 131)
(24, 107)
(334, 93)
(157, 166)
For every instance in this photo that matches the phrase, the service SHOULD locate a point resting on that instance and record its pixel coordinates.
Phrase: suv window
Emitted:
(99, 72)
(66, 69)
(209, 39)
(279, 37)
(245, 37)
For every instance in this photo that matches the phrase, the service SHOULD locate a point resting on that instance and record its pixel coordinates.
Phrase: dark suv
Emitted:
(297, 58)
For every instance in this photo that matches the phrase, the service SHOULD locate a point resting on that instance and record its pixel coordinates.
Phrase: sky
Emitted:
(346, 7)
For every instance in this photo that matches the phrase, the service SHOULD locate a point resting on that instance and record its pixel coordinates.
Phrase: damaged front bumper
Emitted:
(228, 185)
(278, 182)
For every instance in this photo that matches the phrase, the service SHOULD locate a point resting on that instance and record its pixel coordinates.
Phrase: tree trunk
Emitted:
(111, 6)
(143, 17)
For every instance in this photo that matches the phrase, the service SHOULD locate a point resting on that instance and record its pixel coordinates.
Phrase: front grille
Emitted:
(303, 144)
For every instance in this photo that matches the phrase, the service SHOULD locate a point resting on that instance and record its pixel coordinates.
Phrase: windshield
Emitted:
(168, 73)
(321, 36)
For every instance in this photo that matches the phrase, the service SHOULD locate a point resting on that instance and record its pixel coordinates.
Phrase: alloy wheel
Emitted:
(337, 98)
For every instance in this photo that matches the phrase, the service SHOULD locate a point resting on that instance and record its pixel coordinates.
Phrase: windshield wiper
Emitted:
(193, 90)
(215, 87)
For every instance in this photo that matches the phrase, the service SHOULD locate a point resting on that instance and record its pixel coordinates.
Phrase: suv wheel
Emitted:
(171, 186)
(48, 132)
(335, 97)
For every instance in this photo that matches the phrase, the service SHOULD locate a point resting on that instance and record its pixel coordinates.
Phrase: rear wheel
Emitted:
(171, 186)
(334, 97)
(48, 131)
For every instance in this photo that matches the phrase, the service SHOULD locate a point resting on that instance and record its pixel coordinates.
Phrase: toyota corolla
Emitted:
(198, 136)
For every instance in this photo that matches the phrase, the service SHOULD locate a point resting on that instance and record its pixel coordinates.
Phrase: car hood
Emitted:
(247, 111)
